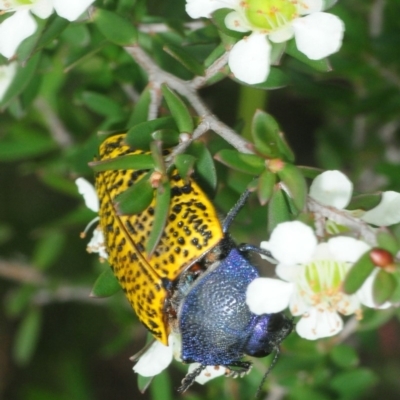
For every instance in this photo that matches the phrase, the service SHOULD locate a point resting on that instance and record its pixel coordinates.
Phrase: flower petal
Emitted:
(292, 243)
(318, 35)
(71, 9)
(7, 73)
(281, 35)
(365, 293)
(347, 249)
(210, 372)
(87, 190)
(97, 244)
(317, 324)
(249, 59)
(42, 8)
(155, 360)
(310, 6)
(387, 212)
(236, 22)
(204, 8)
(14, 30)
(267, 296)
(332, 188)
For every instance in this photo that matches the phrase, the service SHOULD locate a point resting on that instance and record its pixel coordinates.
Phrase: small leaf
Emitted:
(358, 273)
(135, 199)
(141, 110)
(268, 139)
(344, 356)
(102, 104)
(295, 183)
(318, 65)
(55, 26)
(386, 240)
(48, 249)
(140, 135)
(310, 172)
(130, 161)
(247, 163)
(278, 209)
(168, 137)
(21, 80)
(27, 336)
(179, 111)
(365, 201)
(384, 287)
(185, 58)
(144, 382)
(160, 217)
(106, 285)
(115, 28)
(276, 79)
(265, 189)
(156, 152)
(185, 165)
(353, 384)
(395, 297)
(19, 299)
(205, 166)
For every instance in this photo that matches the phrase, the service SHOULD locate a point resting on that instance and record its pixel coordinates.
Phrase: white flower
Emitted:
(332, 188)
(7, 73)
(317, 34)
(208, 373)
(97, 242)
(311, 276)
(21, 24)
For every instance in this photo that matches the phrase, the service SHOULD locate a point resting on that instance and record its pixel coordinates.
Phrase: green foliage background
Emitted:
(56, 343)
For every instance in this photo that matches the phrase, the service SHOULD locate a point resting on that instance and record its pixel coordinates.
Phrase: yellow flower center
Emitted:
(270, 15)
(321, 284)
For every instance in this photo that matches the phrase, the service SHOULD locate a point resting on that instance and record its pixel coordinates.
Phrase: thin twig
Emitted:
(185, 88)
(343, 217)
(57, 129)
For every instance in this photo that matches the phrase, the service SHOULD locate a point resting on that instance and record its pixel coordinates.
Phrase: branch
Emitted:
(344, 218)
(187, 89)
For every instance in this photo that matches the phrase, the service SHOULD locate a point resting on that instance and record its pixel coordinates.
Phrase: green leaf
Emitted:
(365, 201)
(247, 163)
(358, 273)
(372, 320)
(21, 80)
(168, 137)
(318, 65)
(102, 104)
(265, 189)
(140, 135)
(135, 199)
(395, 297)
(54, 28)
(185, 58)
(115, 28)
(179, 111)
(48, 249)
(310, 172)
(278, 209)
(19, 299)
(268, 138)
(205, 166)
(384, 287)
(144, 382)
(276, 79)
(25, 144)
(295, 183)
(130, 161)
(141, 110)
(344, 356)
(353, 384)
(387, 241)
(161, 211)
(185, 164)
(27, 336)
(157, 154)
(106, 285)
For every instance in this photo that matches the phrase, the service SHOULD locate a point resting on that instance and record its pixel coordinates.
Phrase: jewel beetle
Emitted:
(194, 284)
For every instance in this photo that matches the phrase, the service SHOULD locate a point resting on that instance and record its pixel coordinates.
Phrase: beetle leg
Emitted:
(188, 380)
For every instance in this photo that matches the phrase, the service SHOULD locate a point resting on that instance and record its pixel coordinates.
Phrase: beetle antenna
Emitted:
(234, 211)
(258, 393)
